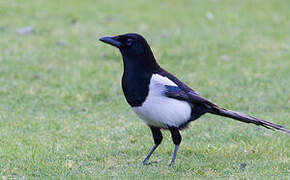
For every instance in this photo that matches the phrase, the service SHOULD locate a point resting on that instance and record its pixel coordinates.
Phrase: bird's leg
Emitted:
(145, 161)
(157, 136)
(176, 138)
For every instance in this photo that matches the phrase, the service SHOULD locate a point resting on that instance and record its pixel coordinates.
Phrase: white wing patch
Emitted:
(159, 110)
(156, 78)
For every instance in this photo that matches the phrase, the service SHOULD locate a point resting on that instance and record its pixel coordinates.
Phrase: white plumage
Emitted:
(159, 110)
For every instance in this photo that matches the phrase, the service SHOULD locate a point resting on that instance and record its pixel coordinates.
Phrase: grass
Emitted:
(63, 114)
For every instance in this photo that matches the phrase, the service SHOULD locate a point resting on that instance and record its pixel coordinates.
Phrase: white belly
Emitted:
(161, 111)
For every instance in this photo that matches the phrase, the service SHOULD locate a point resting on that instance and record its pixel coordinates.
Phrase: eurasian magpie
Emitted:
(160, 99)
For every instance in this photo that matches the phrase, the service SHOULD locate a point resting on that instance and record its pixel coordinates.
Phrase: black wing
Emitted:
(202, 105)
(190, 97)
(176, 93)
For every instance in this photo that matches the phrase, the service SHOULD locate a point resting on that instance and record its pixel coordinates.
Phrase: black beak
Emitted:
(112, 41)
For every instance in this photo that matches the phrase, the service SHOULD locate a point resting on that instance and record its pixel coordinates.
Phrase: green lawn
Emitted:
(63, 114)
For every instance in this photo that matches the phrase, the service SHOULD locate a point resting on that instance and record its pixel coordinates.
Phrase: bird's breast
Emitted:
(160, 111)
(135, 88)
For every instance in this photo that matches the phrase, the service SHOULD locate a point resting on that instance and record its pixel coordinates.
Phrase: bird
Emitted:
(160, 99)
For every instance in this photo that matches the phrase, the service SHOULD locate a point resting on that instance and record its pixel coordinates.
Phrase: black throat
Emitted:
(138, 70)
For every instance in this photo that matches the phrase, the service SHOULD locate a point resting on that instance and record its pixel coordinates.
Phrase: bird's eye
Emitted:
(129, 42)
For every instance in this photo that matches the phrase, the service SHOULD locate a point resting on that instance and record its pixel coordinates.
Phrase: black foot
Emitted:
(149, 163)
(171, 165)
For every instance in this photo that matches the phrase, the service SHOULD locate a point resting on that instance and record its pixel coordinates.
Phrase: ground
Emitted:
(63, 114)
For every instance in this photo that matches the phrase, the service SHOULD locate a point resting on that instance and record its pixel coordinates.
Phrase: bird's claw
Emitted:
(171, 165)
(145, 163)
(149, 163)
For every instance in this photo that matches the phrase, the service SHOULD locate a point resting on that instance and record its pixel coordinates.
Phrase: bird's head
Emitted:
(133, 47)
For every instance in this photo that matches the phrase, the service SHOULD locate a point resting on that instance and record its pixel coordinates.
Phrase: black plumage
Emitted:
(160, 99)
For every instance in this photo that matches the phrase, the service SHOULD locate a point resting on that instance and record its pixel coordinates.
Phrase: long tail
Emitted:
(248, 119)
